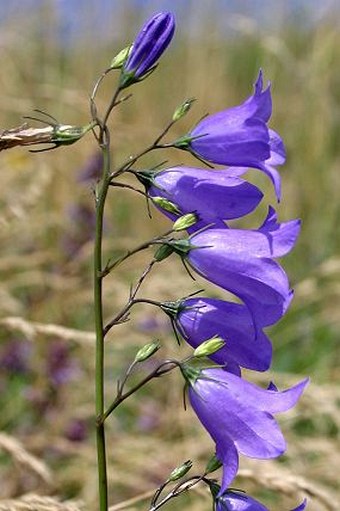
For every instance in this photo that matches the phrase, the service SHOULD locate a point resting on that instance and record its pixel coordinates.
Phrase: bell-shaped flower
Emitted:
(199, 319)
(241, 261)
(150, 43)
(238, 415)
(212, 195)
(233, 500)
(239, 136)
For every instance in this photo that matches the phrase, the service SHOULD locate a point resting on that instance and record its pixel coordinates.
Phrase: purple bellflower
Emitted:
(212, 195)
(199, 319)
(238, 415)
(239, 136)
(241, 261)
(234, 500)
(150, 43)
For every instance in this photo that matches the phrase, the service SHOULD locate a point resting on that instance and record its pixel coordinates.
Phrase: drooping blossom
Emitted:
(151, 41)
(239, 136)
(212, 195)
(199, 319)
(233, 500)
(241, 261)
(238, 415)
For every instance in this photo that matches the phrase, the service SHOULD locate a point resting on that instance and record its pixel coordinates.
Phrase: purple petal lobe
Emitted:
(233, 500)
(234, 410)
(239, 261)
(202, 318)
(212, 195)
(239, 136)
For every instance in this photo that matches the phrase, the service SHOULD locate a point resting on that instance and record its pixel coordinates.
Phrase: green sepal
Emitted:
(172, 309)
(183, 142)
(181, 247)
(214, 489)
(190, 374)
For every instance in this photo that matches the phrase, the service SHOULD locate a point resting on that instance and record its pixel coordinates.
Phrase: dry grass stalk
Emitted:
(20, 455)
(33, 502)
(32, 329)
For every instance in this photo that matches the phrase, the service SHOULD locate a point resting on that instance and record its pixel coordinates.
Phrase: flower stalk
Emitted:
(99, 328)
(238, 415)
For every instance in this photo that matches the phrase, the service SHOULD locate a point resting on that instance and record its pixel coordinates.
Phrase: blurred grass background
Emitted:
(47, 447)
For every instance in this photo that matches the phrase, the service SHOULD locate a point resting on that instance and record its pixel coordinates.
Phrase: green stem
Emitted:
(163, 368)
(99, 327)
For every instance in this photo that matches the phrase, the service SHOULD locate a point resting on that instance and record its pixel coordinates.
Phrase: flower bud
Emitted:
(147, 48)
(119, 60)
(166, 205)
(163, 252)
(184, 222)
(182, 109)
(209, 347)
(180, 471)
(213, 464)
(64, 134)
(147, 351)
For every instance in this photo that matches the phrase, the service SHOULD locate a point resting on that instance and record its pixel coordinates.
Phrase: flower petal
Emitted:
(200, 319)
(212, 195)
(232, 259)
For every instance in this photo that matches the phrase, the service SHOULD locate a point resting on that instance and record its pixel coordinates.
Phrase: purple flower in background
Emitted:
(59, 365)
(199, 319)
(92, 169)
(240, 261)
(234, 500)
(76, 430)
(239, 136)
(150, 43)
(15, 356)
(238, 415)
(212, 195)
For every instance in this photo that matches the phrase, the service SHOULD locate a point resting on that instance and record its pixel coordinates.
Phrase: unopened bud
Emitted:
(209, 347)
(180, 471)
(182, 109)
(166, 205)
(64, 134)
(119, 60)
(163, 252)
(184, 222)
(147, 351)
(213, 464)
